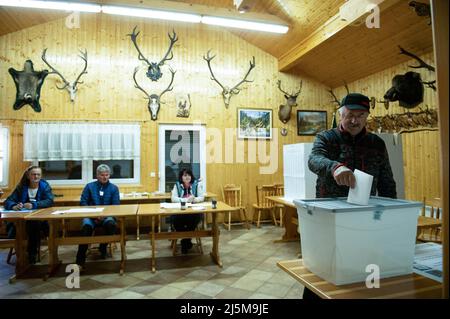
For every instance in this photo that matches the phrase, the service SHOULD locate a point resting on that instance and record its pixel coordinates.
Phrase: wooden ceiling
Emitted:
(345, 54)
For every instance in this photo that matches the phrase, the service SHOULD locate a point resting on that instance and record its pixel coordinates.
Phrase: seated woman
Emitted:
(189, 190)
(32, 192)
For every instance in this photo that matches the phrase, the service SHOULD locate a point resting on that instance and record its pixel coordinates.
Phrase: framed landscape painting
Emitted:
(311, 122)
(254, 123)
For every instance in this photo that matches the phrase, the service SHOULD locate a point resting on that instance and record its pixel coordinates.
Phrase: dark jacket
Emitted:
(366, 152)
(91, 194)
(44, 196)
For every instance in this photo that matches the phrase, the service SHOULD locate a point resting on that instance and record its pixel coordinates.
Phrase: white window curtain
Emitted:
(4, 146)
(81, 141)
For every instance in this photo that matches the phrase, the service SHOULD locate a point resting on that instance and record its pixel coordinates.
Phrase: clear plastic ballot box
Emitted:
(343, 243)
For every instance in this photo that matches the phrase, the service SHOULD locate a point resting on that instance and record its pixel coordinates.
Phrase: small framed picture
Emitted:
(254, 123)
(311, 122)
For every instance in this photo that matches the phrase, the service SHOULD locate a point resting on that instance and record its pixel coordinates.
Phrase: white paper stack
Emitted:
(78, 211)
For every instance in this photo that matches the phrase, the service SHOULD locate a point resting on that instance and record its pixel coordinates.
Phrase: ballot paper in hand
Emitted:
(360, 194)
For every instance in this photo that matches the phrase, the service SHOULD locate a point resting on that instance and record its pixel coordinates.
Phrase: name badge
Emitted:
(101, 193)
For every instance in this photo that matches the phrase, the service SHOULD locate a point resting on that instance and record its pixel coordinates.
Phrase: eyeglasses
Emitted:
(355, 117)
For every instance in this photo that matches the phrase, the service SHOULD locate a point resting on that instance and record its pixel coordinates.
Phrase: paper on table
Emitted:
(428, 260)
(78, 210)
(199, 204)
(198, 207)
(170, 205)
(17, 211)
(361, 192)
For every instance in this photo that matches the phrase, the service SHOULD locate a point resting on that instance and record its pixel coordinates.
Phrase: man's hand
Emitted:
(28, 205)
(344, 176)
(19, 206)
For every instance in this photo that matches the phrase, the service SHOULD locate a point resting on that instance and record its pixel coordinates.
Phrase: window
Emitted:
(120, 169)
(4, 147)
(69, 153)
(180, 147)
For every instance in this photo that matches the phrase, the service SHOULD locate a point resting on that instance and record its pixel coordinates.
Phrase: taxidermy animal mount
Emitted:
(284, 111)
(408, 88)
(154, 68)
(421, 9)
(227, 92)
(154, 100)
(70, 87)
(28, 85)
(184, 108)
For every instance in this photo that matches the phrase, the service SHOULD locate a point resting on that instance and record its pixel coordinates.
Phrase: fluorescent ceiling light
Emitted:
(243, 24)
(54, 5)
(160, 13)
(153, 14)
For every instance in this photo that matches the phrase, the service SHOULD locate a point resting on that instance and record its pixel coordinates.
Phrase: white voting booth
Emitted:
(299, 181)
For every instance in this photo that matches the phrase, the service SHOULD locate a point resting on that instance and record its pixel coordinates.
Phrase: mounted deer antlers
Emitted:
(405, 122)
(154, 69)
(422, 64)
(227, 93)
(335, 100)
(374, 101)
(71, 87)
(154, 99)
(284, 111)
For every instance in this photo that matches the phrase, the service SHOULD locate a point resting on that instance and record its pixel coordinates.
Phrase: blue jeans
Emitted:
(88, 226)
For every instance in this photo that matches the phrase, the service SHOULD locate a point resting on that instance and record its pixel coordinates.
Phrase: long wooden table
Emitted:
(156, 212)
(411, 286)
(120, 212)
(127, 199)
(19, 243)
(290, 220)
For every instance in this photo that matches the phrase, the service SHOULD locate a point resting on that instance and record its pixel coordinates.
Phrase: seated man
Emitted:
(100, 192)
(187, 189)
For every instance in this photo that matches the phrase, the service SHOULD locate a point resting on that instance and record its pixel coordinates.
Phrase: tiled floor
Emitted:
(249, 271)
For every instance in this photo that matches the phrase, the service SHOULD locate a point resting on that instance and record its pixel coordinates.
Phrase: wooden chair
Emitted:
(98, 231)
(231, 195)
(6, 243)
(279, 191)
(198, 240)
(264, 204)
(198, 244)
(431, 234)
(10, 243)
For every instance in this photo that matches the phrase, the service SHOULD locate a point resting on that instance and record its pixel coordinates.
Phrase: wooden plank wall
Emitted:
(420, 149)
(108, 92)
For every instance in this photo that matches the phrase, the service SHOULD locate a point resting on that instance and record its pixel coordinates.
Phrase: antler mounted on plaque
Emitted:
(70, 87)
(154, 69)
(284, 111)
(227, 92)
(154, 100)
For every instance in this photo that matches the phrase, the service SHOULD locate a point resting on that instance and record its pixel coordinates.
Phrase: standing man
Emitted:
(338, 152)
(97, 193)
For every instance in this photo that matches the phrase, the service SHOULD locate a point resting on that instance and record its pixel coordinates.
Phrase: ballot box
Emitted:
(345, 243)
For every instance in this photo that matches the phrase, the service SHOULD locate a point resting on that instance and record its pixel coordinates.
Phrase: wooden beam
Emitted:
(439, 10)
(334, 25)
